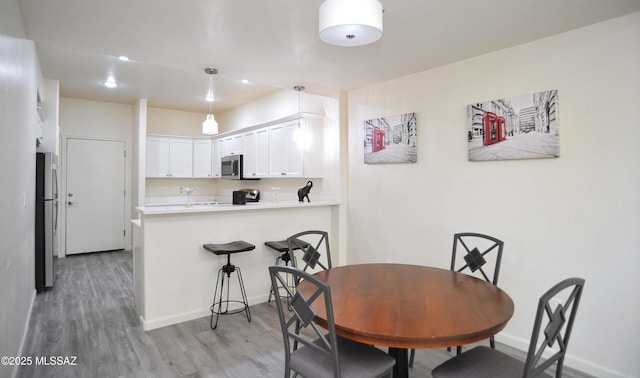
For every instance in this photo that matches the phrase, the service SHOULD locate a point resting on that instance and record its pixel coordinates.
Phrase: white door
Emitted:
(95, 195)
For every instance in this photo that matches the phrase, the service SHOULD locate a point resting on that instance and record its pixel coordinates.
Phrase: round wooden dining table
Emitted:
(409, 306)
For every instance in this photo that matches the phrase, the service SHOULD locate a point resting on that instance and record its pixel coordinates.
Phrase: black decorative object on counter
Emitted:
(304, 192)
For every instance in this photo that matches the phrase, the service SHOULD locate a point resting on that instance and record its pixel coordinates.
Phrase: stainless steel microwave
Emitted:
(233, 167)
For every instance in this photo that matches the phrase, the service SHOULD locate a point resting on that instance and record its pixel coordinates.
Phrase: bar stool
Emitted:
(227, 269)
(285, 257)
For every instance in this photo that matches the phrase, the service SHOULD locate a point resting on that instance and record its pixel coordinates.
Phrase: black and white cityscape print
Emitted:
(523, 127)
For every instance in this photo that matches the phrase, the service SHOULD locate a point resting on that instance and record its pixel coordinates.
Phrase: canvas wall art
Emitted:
(390, 139)
(523, 127)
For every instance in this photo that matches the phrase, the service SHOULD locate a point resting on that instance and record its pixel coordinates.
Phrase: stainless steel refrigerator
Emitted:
(46, 226)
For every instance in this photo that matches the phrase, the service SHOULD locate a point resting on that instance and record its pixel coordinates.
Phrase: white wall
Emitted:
(576, 215)
(95, 120)
(138, 154)
(18, 124)
(277, 105)
(174, 122)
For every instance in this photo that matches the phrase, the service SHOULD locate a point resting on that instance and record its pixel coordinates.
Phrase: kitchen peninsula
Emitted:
(174, 277)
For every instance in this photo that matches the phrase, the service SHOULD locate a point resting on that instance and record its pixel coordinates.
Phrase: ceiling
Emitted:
(272, 43)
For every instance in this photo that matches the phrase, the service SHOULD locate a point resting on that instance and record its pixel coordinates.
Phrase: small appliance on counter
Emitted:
(252, 195)
(242, 196)
(239, 197)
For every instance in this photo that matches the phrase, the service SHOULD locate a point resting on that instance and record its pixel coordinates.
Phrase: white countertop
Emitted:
(180, 209)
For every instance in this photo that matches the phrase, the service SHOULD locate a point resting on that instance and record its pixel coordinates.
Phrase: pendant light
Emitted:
(350, 22)
(298, 133)
(210, 126)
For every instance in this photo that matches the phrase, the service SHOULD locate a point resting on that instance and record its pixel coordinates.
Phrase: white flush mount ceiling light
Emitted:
(350, 22)
(210, 126)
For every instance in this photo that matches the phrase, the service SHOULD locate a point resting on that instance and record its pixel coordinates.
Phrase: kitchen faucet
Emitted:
(188, 190)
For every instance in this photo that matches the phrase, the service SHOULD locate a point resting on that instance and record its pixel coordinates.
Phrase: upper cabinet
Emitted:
(216, 155)
(285, 149)
(262, 152)
(169, 157)
(231, 145)
(256, 153)
(202, 158)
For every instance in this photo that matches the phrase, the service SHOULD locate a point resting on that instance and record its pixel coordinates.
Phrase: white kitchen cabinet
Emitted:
(249, 154)
(216, 167)
(276, 146)
(202, 158)
(262, 152)
(157, 157)
(313, 140)
(255, 151)
(169, 157)
(286, 149)
(294, 147)
(231, 145)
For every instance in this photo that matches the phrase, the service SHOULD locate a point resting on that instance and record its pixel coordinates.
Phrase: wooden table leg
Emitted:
(401, 368)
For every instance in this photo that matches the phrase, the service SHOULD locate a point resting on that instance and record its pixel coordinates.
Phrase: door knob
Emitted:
(70, 194)
(70, 203)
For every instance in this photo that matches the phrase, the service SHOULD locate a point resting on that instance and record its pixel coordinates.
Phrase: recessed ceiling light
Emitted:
(244, 81)
(110, 82)
(123, 58)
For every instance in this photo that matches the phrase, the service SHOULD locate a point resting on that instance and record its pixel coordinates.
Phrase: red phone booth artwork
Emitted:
(502, 128)
(490, 128)
(377, 140)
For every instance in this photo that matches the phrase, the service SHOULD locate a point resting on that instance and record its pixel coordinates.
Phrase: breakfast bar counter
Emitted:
(216, 207)
(174, 276)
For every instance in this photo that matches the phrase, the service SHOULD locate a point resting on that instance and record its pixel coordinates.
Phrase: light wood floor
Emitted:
(89, 315)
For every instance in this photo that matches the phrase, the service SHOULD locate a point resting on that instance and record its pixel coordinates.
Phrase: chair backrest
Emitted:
(477, 258)
(556, 311)
(297, 325)
(314, 246)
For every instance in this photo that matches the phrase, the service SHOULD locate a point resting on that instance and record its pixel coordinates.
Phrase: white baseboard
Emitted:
(25, 332)
(150, 324)
(570, 361)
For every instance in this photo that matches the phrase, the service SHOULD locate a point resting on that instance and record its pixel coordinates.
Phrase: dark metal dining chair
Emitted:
(476, 260)
(312, 351)
(479, 255)
(551, 332)
(314, 246)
